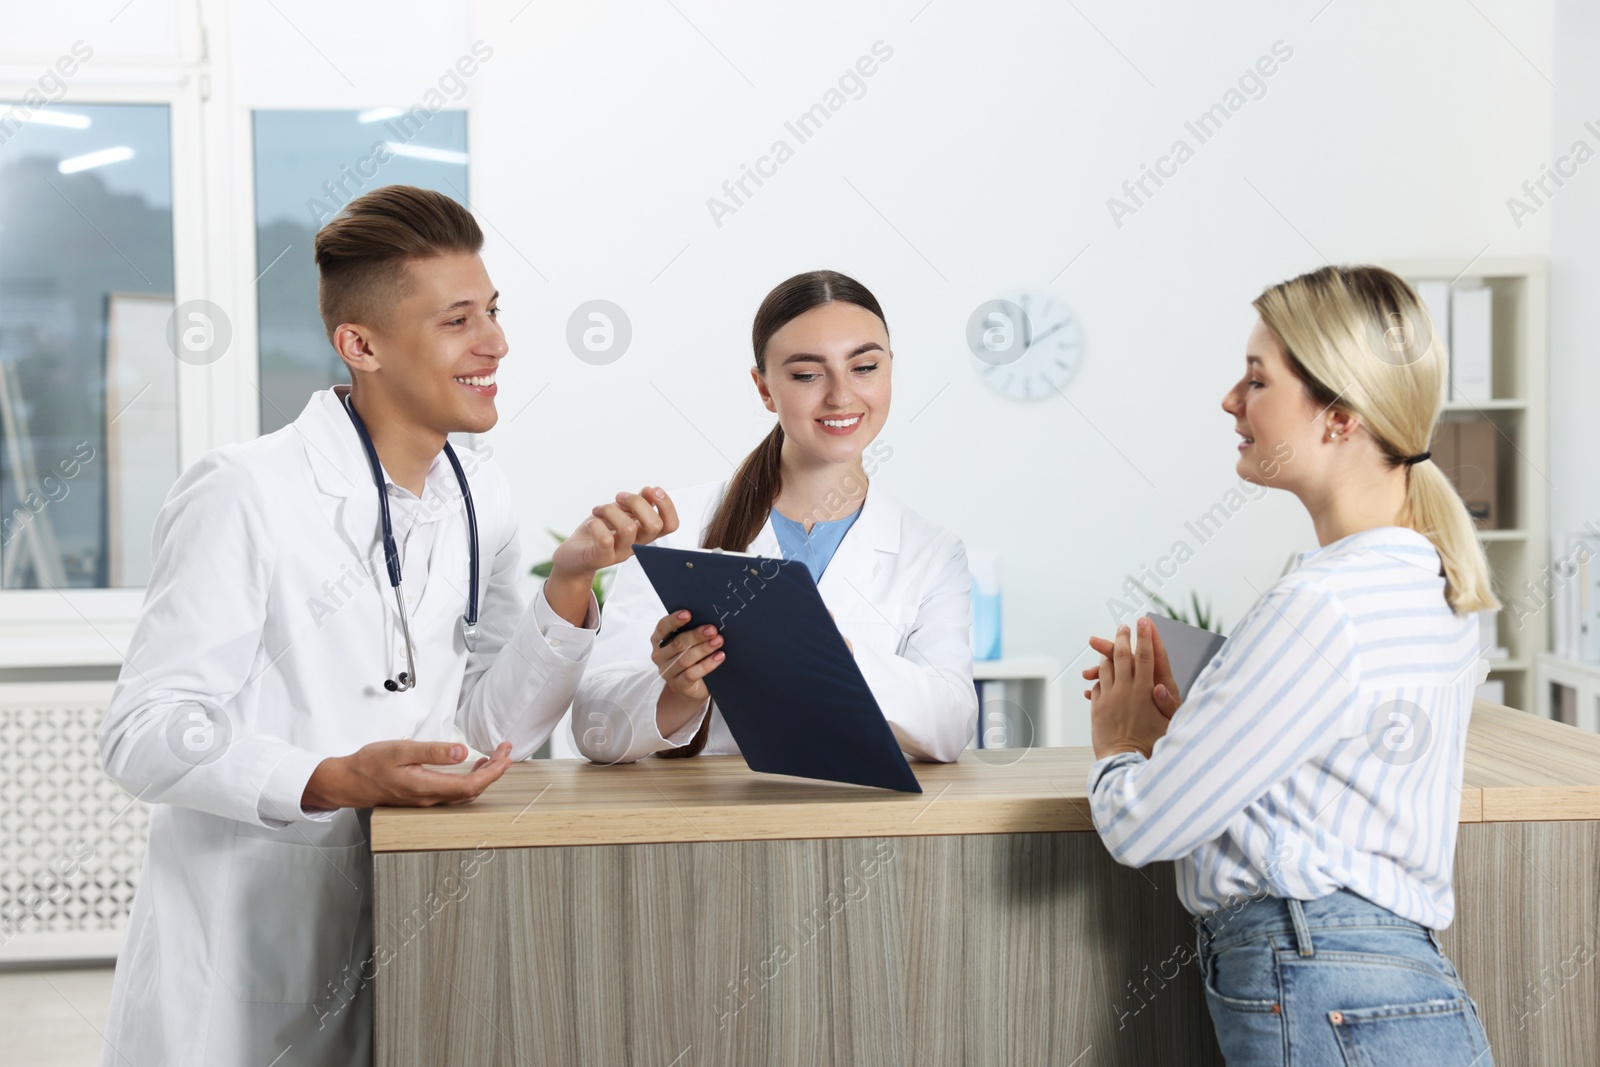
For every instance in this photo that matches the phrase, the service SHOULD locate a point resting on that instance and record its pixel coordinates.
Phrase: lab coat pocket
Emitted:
(883, 627)
(296, 912)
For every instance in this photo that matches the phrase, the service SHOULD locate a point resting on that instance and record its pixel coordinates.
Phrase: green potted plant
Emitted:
(1201, 617)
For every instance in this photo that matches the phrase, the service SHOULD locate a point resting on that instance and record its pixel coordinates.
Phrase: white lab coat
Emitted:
(251, 928)
(898, 587)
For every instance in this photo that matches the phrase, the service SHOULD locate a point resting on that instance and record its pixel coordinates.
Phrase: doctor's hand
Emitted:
(394, 774)
(684, 663)
(1165, 690)
(603, 540)
(1123, 715)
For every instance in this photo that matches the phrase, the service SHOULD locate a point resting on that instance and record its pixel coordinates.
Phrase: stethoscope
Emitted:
(391, 555)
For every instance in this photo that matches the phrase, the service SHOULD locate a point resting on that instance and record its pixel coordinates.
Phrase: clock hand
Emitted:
(1050, 331)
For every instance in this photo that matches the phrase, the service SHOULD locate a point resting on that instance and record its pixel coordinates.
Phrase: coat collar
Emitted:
(854, 569)
(333, 449)
(877, 528)
(339, 462)
(856, 565)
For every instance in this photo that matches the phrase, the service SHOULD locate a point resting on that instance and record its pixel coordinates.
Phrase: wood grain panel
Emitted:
(971, 950)
(1012, 949)
(1526, 937)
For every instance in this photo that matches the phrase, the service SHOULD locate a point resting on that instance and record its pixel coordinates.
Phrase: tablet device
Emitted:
(789, 689)
(1189, 649)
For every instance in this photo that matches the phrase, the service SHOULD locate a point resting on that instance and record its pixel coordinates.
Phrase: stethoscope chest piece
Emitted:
(469, 634)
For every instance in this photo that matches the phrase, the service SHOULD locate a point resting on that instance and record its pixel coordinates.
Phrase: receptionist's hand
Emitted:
(1123, 714)
(686, 660)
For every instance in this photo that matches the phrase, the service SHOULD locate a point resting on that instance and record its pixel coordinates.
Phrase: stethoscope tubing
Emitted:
(391, 553)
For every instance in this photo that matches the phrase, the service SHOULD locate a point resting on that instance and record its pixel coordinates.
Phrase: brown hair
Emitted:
(363, 251)
(1361, 341)
(755, 485)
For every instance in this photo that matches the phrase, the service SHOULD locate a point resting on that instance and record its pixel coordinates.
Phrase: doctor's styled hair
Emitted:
(755, 486)
(363, 251)
(1362, 342)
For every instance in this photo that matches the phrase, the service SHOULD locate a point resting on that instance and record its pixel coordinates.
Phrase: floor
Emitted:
(53, 1018)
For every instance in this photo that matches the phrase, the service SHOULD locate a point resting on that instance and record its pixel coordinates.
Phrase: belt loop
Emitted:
(1302, 931)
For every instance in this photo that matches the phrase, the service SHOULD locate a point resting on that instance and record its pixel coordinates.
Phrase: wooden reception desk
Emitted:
(686, 912)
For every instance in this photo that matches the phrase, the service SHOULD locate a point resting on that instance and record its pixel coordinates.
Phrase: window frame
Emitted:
(92, 627)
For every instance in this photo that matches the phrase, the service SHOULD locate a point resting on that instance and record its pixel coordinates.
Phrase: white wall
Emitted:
(991, 141)
(1575, 276)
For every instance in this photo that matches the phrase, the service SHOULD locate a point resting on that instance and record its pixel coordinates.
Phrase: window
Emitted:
(88, 372)
(309, 164)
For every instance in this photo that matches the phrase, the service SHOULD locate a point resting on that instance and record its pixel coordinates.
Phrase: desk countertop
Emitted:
(1519, 768)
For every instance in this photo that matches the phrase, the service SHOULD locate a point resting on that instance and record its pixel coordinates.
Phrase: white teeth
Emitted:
(481, 379)
(840, 424)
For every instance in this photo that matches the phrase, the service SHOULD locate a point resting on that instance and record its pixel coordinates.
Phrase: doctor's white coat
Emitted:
(267, 631)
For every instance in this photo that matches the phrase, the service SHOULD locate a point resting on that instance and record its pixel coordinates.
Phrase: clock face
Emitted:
(1025, 346)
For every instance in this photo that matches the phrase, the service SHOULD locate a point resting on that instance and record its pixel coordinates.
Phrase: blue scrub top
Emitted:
(815, 549)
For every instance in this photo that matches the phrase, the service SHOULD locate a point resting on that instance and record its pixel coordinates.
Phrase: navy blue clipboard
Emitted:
(789, 690)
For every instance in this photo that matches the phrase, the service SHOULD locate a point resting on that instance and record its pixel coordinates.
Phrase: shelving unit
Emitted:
(1519, 547)
(1581, 681)
(1024, 713)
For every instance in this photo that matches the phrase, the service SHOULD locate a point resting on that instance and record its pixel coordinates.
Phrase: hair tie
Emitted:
(1418, 458)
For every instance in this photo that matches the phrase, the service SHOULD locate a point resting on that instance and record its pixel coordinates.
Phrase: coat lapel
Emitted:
(343, 477)
(852, 575)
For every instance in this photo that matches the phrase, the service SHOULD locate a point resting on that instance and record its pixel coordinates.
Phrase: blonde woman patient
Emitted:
(897, 585)
(1309, 785)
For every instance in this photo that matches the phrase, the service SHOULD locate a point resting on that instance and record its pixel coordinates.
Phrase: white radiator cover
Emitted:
(71, 840)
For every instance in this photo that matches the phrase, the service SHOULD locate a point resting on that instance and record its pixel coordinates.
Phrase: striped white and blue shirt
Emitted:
(1321, 749)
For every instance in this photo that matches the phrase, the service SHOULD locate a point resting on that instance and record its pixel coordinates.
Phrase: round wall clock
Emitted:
(1025, 345)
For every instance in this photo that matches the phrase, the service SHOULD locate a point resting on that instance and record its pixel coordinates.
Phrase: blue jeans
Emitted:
(1334, 982)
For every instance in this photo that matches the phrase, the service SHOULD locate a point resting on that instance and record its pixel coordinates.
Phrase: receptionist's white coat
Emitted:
(269, 600)
(898, 587)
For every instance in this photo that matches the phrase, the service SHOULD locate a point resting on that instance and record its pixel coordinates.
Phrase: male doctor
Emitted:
(275, 689)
